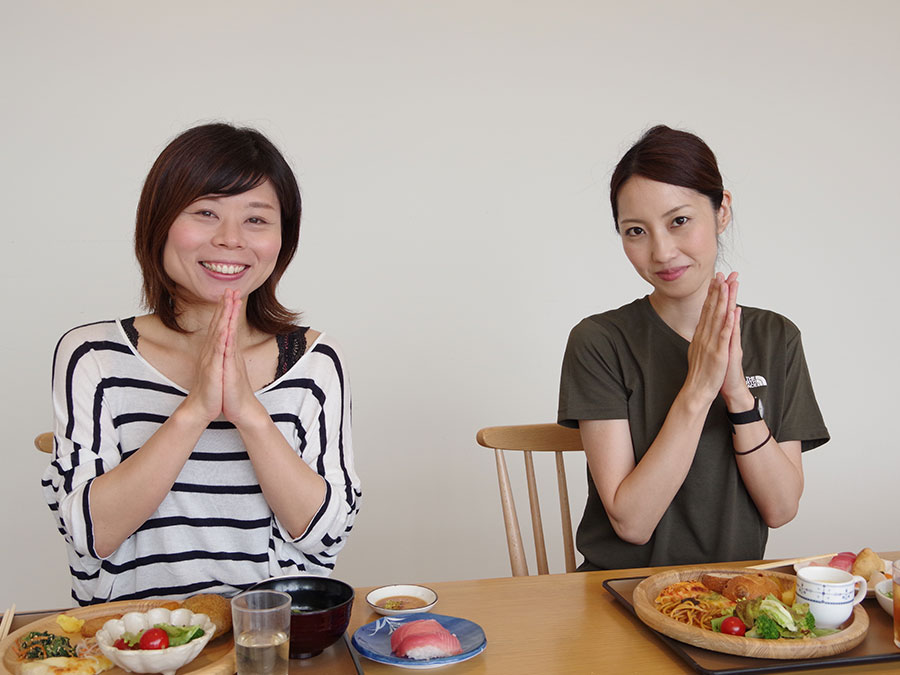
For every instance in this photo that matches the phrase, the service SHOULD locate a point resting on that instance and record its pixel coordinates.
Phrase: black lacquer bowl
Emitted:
(320, 611)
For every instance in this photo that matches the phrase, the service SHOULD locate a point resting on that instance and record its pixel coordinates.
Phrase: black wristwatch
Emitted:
(755, 414)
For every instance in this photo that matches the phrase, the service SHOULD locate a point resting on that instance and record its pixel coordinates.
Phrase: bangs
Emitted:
(227, 179)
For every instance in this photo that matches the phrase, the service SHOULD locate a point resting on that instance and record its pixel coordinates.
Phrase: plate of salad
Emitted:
(678, 604)
(215, 658)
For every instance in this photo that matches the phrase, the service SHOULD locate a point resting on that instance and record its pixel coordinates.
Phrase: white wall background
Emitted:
(454, 160)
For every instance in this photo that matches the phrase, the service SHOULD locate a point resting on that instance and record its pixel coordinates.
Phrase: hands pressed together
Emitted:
(222, 384)
(715, 354)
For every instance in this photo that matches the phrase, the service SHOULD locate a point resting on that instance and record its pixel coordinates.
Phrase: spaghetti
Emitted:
(692, 603)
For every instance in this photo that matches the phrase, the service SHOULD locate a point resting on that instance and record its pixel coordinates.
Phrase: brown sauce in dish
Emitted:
(401, 602)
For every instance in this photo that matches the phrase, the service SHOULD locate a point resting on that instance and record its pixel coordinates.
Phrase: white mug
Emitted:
(831, 593)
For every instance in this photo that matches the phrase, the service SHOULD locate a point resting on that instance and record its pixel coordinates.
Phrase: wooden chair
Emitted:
(44, 441)
(529, 438)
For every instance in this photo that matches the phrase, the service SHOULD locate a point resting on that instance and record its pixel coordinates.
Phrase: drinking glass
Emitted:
(262, 625)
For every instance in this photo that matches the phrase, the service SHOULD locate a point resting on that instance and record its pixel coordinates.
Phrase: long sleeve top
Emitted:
(214, 531)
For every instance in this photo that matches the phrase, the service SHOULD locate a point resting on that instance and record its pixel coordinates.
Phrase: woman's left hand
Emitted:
(735, 384)
(238, 399)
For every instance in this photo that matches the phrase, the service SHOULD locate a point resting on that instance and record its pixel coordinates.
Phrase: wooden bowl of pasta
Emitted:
(851, 633)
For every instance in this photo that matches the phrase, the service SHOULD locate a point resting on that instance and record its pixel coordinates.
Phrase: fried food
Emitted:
(715, 582)
(91, 626)
(751, 586)
(216, 607)
(867, 563)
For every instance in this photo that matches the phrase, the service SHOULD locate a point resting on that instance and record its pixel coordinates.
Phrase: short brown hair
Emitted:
(215, 159)
(669, 156)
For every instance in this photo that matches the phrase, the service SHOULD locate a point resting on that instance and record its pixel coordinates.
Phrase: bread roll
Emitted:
(867, 562)
(751, 586)
(715, 582)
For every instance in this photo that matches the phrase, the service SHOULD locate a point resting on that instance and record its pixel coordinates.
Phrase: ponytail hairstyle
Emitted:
(669, 156)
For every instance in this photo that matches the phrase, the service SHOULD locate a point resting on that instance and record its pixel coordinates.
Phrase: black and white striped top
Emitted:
(214, 531)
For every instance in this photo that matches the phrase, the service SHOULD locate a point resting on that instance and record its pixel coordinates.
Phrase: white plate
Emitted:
(374, 640)
(825, 559)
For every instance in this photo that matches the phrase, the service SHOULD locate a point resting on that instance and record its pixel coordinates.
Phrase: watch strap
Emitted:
(752, 415)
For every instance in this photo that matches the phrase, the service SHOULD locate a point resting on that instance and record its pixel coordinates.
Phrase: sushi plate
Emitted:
(374, 640)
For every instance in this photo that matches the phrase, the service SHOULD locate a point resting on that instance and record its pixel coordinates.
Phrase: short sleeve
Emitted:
(801, 419)
(591, 385)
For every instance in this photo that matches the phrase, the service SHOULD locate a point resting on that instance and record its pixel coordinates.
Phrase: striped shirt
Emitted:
(214, 531)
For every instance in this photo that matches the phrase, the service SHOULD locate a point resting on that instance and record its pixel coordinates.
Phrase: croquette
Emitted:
(216, 607)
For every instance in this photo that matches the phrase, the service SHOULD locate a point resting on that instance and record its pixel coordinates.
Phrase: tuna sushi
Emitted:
(414, 628)
(424, 639)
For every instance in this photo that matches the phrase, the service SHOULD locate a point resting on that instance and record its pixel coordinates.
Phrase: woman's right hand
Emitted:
(206, 396)
(708, 354)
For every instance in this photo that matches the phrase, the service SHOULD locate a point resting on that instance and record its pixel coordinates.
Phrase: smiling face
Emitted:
(669, 234)
(220, 242)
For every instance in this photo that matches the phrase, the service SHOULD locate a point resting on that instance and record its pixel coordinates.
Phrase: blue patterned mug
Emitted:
(831, 593)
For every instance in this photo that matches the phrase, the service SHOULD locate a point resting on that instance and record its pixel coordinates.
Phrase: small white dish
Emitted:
(881, 594)
(165, 661)
(423, 593)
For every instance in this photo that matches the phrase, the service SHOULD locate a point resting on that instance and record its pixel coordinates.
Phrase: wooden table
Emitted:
(561, 623)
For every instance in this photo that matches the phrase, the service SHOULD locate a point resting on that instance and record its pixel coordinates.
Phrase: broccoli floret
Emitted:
(766, 628)
(809, 621)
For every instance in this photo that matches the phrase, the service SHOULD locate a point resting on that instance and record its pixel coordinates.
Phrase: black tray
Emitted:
(878, 646)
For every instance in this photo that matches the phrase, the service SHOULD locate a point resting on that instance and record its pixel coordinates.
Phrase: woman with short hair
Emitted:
(204, 446)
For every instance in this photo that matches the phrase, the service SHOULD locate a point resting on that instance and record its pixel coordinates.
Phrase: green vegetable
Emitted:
(717, 623)
(42, 645)
(180, 635)
(765, 628)
(769, 615)
(774, 609)
(131, 639)
(809, 620)
(748, 610)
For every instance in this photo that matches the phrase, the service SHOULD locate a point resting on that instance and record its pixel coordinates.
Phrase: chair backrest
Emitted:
(44, 441)
(529, 438)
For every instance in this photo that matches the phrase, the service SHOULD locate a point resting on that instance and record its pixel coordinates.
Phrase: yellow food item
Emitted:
(69, 623)
(67, 665)
(788, 595)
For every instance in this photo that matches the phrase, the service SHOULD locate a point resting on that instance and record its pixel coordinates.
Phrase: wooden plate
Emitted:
(217, 658)
(852, 633)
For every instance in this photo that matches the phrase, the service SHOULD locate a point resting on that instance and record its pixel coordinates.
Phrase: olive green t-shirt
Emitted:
(629, 364)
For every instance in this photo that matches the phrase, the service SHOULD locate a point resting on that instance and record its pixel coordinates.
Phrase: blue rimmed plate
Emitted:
(374, 640)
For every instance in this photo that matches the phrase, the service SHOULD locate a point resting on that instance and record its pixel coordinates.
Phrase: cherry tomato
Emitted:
(121, 644)
(154, 638)
(733, 626)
